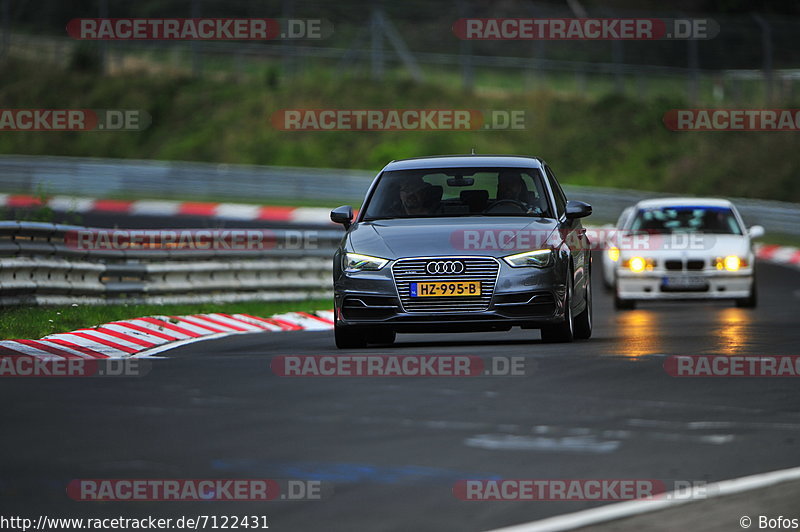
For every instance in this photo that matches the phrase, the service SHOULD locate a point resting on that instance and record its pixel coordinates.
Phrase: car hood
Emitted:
(420, 237)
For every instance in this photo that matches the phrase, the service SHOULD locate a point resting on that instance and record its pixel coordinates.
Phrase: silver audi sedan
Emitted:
(462, 243)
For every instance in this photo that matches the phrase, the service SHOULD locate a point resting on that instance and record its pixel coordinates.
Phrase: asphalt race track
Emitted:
(392, 448)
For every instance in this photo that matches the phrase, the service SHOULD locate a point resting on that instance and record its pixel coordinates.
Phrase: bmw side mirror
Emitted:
(756, 231)
(343, 215)
(578, 209)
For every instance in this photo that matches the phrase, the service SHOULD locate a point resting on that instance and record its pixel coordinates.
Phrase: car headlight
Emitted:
(639, 264)
(539, 258)
(731, 263)
(613, 253)
(355, 262)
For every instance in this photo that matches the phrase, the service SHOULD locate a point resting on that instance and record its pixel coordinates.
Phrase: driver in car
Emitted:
(418, 197)
(510, 186)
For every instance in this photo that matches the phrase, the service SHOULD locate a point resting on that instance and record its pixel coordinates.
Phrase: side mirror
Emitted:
(578, 209)
(343, 215)
(756, 231)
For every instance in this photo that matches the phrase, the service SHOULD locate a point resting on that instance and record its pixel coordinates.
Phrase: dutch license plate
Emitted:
(445, 289)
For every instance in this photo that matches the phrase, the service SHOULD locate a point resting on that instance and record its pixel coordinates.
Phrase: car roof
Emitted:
(462, 161)
(683, 202)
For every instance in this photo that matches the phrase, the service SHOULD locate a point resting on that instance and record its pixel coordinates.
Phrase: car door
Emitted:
(575, 234)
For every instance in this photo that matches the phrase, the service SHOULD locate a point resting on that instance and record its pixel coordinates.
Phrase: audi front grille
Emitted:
(483, 269)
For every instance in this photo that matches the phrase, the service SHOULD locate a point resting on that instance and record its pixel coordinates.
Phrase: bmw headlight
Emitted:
(731, 263)
(539, 258)
(355, 262)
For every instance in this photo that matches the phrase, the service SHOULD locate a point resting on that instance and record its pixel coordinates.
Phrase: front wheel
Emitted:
(562, 332)
(623, 304)
(583, 321)
(750, 301)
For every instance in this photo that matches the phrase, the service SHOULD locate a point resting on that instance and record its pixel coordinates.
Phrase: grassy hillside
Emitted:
(614, 141)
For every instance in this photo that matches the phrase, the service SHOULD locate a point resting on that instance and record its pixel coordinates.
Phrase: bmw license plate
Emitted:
(445, 289)
(684, 283)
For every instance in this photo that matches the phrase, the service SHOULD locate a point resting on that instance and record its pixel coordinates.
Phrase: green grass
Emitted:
(36, 322)
(780, 239)
(610, 140)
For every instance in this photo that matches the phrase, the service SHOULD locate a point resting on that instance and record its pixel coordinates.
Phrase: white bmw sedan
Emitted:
(685, 248)
(611, 251)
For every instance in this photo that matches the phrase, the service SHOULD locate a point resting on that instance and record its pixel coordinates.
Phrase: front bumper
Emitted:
(705, 285)
(525, 297)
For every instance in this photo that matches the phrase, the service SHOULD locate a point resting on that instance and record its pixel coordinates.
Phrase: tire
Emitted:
(381, 337)
(562, 332)
(750, 301)
(349, 337)
(583, 321)
(623, 304)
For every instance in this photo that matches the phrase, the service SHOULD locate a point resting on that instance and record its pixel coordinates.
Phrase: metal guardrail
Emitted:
(37, 266)
(608, 203)
(160, 179)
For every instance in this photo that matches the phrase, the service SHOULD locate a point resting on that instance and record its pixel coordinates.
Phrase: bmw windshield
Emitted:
(694, 219)
(448, 192)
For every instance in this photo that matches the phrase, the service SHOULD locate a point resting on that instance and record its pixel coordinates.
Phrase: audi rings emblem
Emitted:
(445, 266)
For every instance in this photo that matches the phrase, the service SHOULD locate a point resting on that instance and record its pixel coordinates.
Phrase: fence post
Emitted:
(6, 42)
(465, 51)
(694, 75)
(617, 54)
(103, 13)
(377, 41)
(287, 59)
(766, 49)
(580, 80)
(196, 66)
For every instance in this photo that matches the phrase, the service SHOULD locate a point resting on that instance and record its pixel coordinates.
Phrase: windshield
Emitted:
(716, 220)
(439, 192)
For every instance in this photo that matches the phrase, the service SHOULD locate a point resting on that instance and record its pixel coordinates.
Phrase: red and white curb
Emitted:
(153, 334)
(786, 255)
(224, 211)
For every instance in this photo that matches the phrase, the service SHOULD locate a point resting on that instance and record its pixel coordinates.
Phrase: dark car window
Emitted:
(718, 220)
(558, 193)
(439, 192)
(624, 218)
